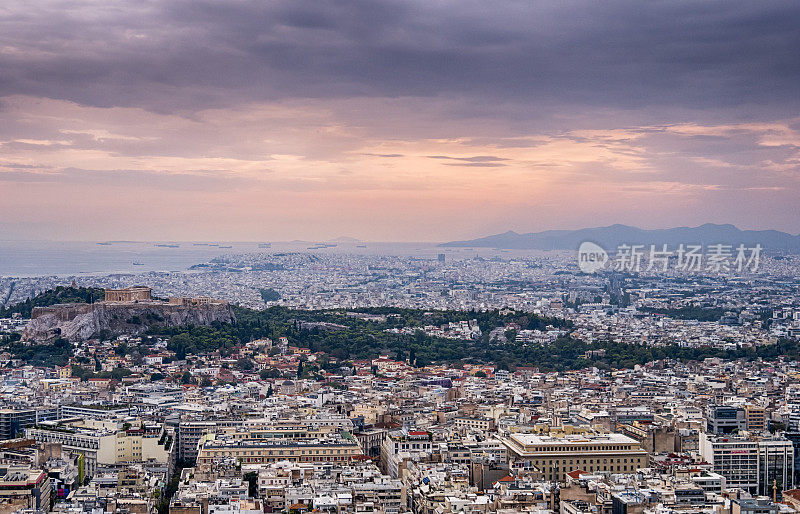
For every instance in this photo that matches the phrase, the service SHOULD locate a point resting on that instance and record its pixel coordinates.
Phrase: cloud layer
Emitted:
(405, 119)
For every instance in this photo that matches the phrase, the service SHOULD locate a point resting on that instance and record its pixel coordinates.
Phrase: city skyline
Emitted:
(390, 121)
(399, 257)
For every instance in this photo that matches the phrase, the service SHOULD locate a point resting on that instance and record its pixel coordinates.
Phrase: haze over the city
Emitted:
(394, 121)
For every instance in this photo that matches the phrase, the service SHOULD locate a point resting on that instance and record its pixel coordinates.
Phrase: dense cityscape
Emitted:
(399, 257)
(488, 384)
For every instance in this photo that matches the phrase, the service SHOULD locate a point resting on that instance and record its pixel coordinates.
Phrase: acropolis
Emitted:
(129, 294)
(142, 294)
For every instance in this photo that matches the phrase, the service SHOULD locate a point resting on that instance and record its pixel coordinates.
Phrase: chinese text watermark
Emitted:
(692, 258)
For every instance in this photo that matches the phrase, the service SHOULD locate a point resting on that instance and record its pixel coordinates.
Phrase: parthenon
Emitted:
(129, 294)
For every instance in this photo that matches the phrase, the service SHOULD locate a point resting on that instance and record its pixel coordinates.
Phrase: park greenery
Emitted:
(343, 337)
(269, 295)
(348, 337)
(690, 312)
(56, 353)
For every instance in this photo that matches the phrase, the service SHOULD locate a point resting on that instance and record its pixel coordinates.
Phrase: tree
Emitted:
(480, 374)
(270, 295)
(205, 382)
(61, 294)
(187, 378)
(245, 364)
(421, 362)
(137, 359)
(299, 369)
(252, 483)
(269, 373)
(156, 376)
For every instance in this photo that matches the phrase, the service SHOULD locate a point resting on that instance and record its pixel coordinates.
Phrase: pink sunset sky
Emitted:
(394, 121)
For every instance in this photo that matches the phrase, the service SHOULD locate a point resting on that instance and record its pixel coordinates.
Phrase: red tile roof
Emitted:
(576, 474)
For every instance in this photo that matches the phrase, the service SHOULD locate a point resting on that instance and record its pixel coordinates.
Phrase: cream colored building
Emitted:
(371, 412)
(756, 417)
(554, 456)
(262, 450)
(475, 423)
(139, 445)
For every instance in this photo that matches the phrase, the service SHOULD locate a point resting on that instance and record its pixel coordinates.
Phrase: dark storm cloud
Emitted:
(187, 55)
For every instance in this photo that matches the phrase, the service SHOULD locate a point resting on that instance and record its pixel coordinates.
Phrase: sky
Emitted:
(412, 120)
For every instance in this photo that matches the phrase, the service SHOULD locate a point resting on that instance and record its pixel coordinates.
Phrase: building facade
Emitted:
(554, 456)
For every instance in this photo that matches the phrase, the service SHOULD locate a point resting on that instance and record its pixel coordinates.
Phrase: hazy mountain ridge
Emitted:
(612, 236)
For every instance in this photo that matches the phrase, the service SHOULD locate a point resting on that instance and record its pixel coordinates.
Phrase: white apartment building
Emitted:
(106, 442)
(750, 464)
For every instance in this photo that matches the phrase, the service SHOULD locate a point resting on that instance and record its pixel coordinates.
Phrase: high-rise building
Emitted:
(775, 465)
(14, 421)
(733, 457)
(725, 419)
(755, 464)
(755, 417)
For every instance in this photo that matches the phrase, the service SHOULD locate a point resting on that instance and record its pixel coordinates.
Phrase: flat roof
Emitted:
(572, 439)
(277, 443)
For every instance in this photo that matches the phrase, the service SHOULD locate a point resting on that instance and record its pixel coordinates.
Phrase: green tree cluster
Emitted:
(61, 294)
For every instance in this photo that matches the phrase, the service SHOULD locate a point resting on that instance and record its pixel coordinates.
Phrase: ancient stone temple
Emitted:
(129, 294)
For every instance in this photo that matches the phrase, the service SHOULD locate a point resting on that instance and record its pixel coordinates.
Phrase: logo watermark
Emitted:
(690, 258)
(591, 257)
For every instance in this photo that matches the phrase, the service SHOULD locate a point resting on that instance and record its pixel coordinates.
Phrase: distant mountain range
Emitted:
(613, 236)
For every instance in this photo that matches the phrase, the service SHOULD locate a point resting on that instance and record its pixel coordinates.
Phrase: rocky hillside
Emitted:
(81, 321)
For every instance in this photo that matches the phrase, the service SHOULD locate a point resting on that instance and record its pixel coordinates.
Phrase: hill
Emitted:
(356, 337)
(362, 339)
(79, 313)
(82, 321)
(614, 235)
(61, 294)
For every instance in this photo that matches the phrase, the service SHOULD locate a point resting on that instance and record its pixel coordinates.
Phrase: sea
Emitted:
(71, 258)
